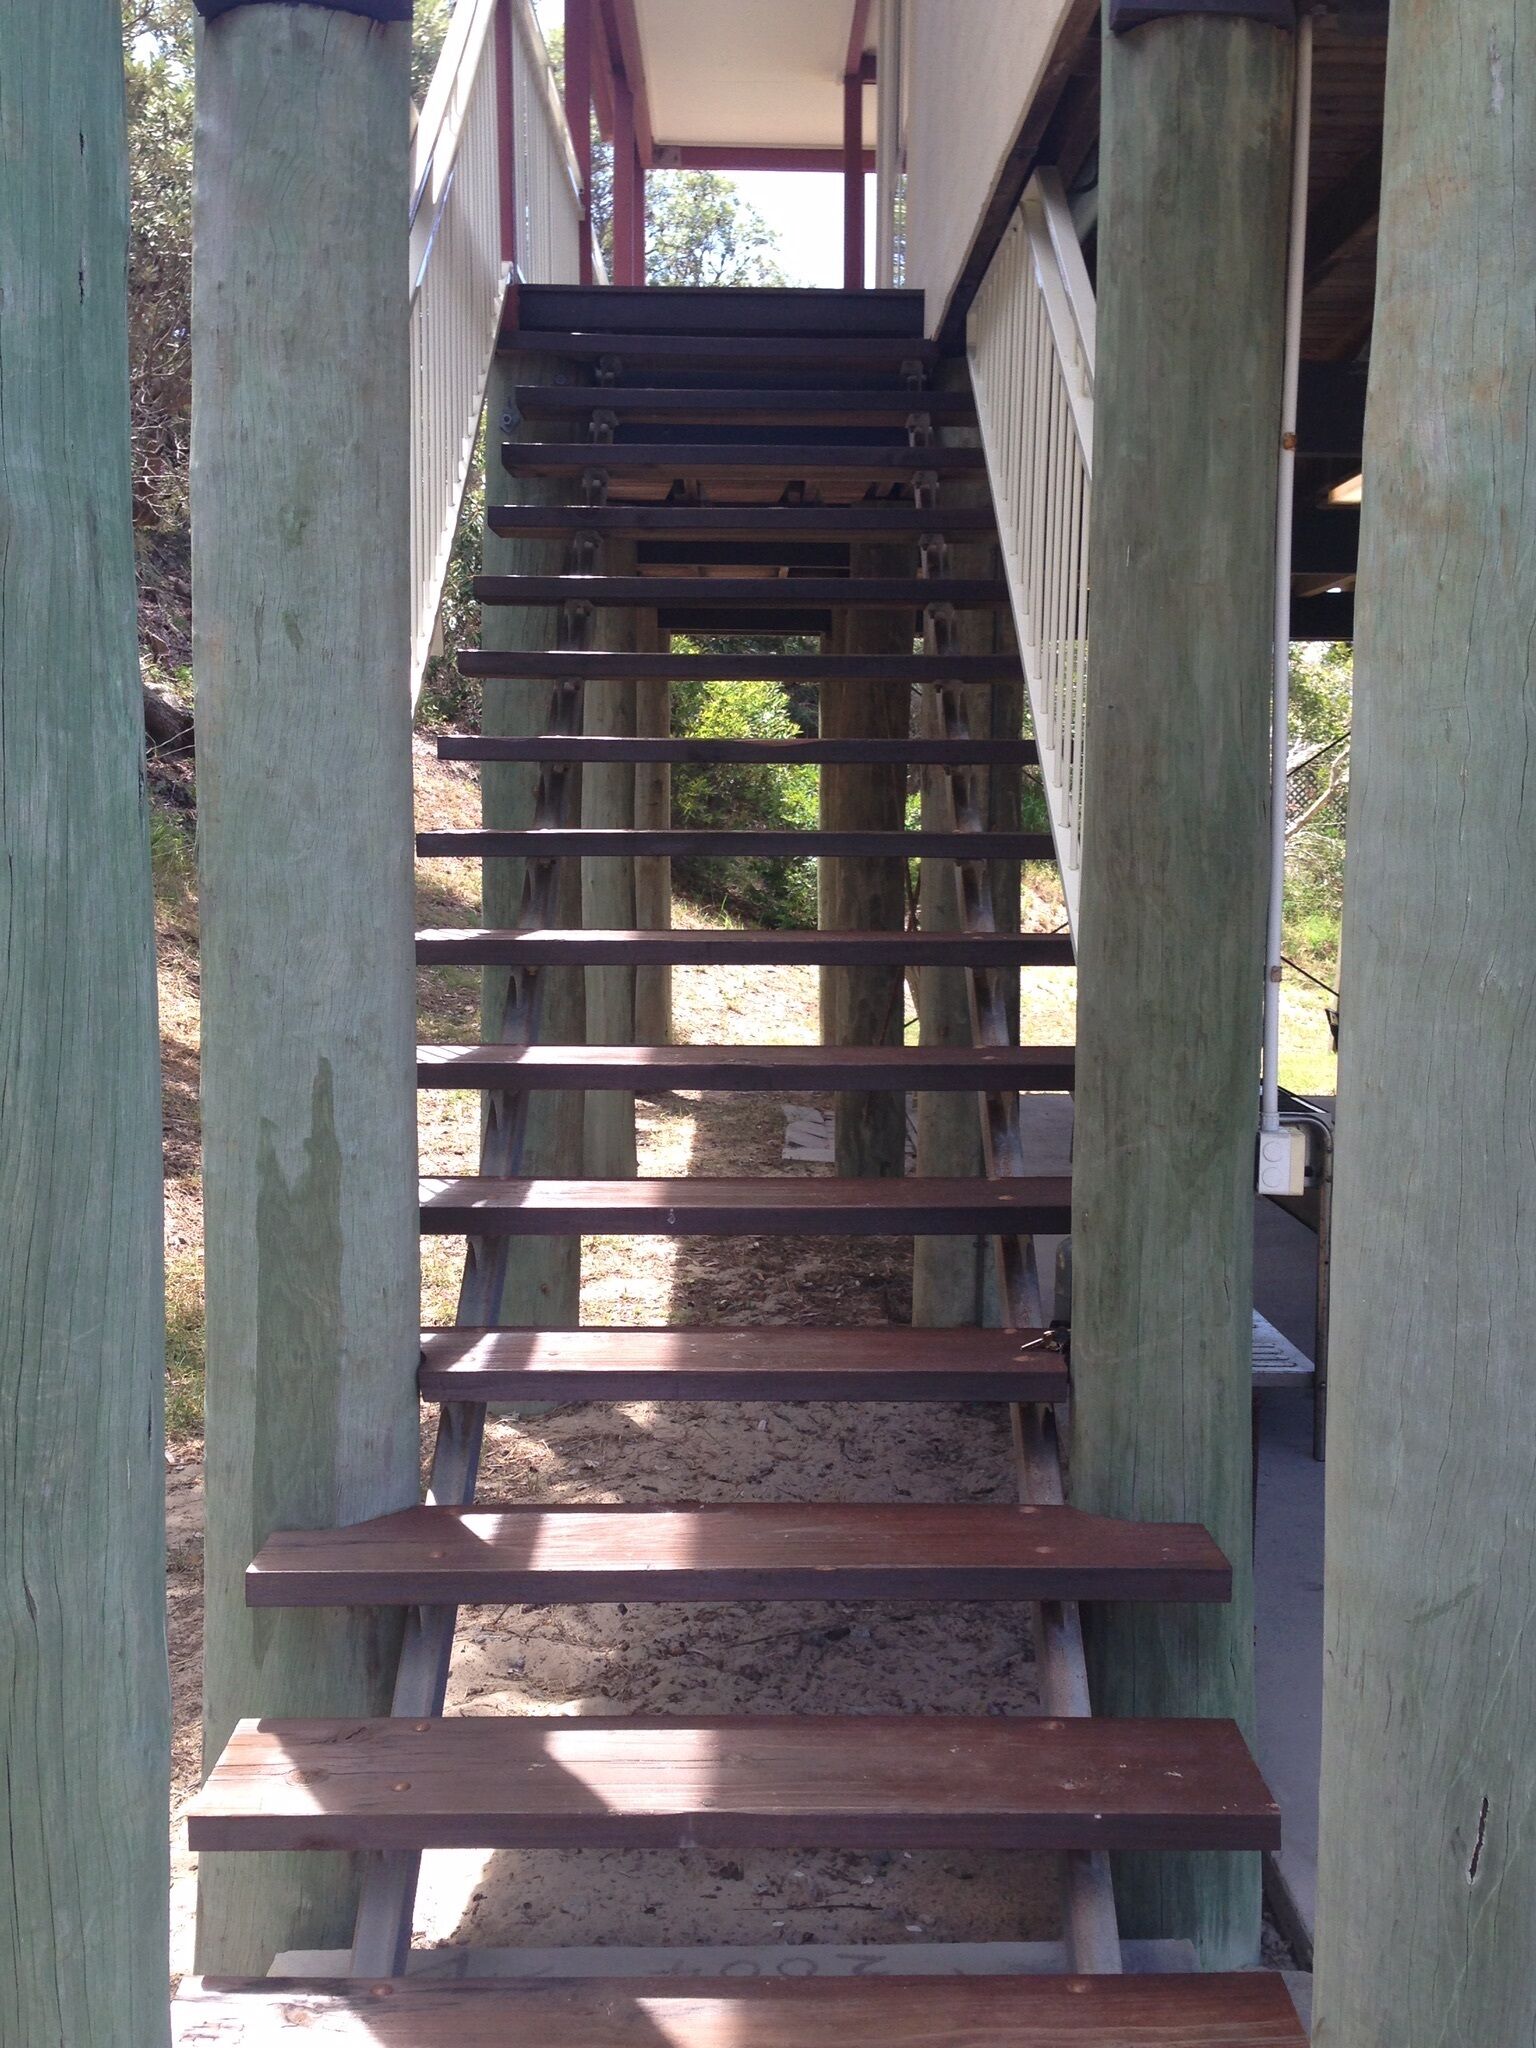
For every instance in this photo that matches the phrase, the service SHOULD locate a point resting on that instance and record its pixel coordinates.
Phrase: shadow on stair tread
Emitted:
(864, 1781)
(753, 1550)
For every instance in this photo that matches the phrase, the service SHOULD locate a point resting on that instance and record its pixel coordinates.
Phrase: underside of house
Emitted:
(1107, 368)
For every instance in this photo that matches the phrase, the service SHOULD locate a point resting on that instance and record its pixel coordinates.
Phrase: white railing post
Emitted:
(1030, 339)
(462, 254)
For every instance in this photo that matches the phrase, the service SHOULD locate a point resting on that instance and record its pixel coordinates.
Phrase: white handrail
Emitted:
(1030, 338)
(459, 267)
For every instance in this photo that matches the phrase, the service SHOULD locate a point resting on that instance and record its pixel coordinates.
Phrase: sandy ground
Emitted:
(812, 1658)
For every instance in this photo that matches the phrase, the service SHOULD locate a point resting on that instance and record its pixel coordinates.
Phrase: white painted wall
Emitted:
(972, 67)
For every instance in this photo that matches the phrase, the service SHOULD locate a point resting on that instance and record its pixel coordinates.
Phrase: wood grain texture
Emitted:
(84, 1707)
(872, 1781)
(1248, 2011)
(469, 948)
(304, 807)
(738, 1364)
(1427, 1870)
(1196, 163)
(715, 1206)
(773, 1067)
(772, 1550)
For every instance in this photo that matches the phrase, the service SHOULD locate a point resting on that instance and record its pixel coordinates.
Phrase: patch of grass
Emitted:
(172, 850)
(185, 1347)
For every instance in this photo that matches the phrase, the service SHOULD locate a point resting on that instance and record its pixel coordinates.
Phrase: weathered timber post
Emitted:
(653, 872)
(299, 464)
(866, 1005)
(608, 883)
(543, 1274)
(947, 1273)
(1195, 184)
(84, 1694)
(1427, 1872)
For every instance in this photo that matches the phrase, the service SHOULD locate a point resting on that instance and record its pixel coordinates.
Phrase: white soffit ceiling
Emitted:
(748, 73)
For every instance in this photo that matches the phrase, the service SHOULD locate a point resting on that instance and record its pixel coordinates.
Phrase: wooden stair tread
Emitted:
(677, 842)
(1042, 1068)
(1248, 2010)
(883, 1362)
(470, 947)
(700, 311)
(758, 1550)
(740, 406)
(878, 520)
(868, 593)
(797, 461)
(811, 752)
(721, 1206)
(700, 350)
(867, 1781)
(558, 664)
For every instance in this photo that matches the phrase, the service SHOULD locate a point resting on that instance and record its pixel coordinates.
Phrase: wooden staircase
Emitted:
(744, 466)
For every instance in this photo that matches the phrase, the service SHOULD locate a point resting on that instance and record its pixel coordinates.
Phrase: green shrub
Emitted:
(744, 796)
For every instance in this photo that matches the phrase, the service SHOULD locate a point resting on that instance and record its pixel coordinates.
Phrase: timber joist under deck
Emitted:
(808, 474)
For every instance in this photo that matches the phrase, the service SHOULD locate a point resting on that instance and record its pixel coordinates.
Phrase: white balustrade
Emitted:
(1030, 342)
(477, 220)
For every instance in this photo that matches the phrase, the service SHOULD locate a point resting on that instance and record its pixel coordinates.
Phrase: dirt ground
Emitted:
(813, 1658)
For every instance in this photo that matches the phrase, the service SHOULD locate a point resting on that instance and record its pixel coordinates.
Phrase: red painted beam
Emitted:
(623, 32)
(602, 73)
(628, 184)
(853, 183)
(858, 29)
(725, 156)
(578, 113)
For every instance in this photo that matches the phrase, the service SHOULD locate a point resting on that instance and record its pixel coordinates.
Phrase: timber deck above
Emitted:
(871, 1781)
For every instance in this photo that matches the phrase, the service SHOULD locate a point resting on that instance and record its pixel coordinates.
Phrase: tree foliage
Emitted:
(698, 228)
(158, 77)
(158, 68)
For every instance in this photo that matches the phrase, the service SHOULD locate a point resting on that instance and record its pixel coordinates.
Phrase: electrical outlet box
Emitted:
(1283, 1161)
